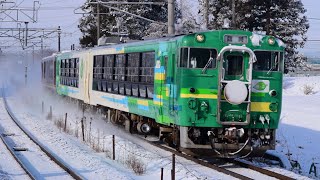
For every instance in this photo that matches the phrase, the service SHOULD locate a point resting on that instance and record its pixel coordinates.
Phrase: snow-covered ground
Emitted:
(299, 133)
(98, 165)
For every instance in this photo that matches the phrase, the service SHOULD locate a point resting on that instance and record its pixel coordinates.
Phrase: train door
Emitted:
(86, 77)
(234, 96)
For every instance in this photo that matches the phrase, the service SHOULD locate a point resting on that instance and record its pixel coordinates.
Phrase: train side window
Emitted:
(97, 68)
(108, 67)
(120, 64)
(133, 67)
(77, 67)
(147, 67)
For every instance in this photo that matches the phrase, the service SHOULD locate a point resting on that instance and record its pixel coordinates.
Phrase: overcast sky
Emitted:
(312, 47)
(54, 13)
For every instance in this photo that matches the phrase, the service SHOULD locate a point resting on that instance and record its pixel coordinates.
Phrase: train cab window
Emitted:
(234, 65)
(198, 57)
(184, 57)
(268, 61)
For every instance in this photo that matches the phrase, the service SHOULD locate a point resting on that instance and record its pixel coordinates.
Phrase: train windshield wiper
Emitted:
(274, 66)
(207, 65)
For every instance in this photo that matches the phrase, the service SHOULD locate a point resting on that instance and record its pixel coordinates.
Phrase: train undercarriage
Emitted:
(226, 142)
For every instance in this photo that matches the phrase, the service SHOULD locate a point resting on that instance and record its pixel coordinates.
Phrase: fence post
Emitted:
(50, 113)
(65, 123)
(113, 148)
(42, 107)
(82, 128)
(161, 173)
(173, 170)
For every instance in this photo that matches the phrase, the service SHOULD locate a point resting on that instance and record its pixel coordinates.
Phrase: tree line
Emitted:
(284, 19)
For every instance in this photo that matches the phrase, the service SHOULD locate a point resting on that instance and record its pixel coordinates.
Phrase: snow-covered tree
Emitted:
(113, 22)
(283, 19)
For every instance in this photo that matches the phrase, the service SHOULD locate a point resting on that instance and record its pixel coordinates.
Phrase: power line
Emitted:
(314, 18)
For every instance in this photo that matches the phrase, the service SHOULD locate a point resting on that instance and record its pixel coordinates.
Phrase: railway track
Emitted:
(234, 168)
(39, 162)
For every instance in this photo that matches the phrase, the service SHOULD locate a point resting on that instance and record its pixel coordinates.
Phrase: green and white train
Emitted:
(216, 93)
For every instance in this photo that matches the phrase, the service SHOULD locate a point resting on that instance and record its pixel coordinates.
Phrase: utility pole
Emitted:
(206, 13)
(59, 38)
(171, 30)
(98, 21)
(26, 38)
(233, 15)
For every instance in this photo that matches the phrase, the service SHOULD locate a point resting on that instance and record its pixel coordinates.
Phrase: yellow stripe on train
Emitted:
(160, 76)
(142, 102)
(260, 107)
(207, 96)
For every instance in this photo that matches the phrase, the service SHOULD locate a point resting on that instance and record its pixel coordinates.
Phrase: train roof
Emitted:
(154, 41)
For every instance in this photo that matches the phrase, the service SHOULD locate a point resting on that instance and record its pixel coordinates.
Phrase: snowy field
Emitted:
(298, 136)
(299, 132)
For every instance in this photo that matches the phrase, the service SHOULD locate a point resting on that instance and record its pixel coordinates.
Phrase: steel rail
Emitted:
(49, 153)
(199, 161)
(15, 156)
(262, 170)
(222, 170)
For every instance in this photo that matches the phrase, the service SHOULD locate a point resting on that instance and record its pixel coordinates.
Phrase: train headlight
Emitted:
(273, 93)
(271, 41)
(200, 37)
(192, 90)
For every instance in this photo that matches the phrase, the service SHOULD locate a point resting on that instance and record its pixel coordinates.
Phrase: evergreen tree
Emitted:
(283, 19)
(113, 22)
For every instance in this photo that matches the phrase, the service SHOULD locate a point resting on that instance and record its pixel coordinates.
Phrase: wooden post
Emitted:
(161, 173)
(82, 128)
(113, 148)
(98, 145)
(109, 115)
(65, 123)
(50, 113)
(42, 107)
(173, 170)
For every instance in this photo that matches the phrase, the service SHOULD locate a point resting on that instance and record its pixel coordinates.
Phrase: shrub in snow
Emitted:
(308, 89)
(135, 164)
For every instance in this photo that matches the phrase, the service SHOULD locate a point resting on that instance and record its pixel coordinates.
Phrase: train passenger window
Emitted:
(120, 64)
(268, 61)
(147, 67)
(69, 72)
(133, 67)
(198, 57)
(77, 67)
(108, 67)
(97, 67)
(234, 65)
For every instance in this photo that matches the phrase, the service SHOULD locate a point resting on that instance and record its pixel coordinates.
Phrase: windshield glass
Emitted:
(234, 65)
(197, 57)
(268, 61)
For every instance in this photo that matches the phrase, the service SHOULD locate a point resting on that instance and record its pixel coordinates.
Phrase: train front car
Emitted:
(230, 90)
